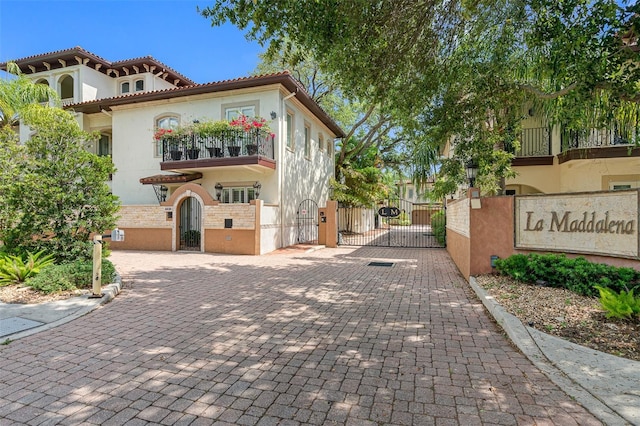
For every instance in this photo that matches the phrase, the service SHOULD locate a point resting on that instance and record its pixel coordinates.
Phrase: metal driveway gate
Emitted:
(308, 222)
(392, 223)
(190, 224)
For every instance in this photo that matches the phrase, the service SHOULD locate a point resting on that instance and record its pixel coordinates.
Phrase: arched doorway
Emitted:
(190, 225)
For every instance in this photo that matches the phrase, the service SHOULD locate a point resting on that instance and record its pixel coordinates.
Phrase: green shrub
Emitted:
(623, 305)
(438, 226)
(70, 276)
(578, 275)
(52, 280)
(14, 269)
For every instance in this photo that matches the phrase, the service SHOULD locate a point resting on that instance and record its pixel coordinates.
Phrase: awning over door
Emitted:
(174, 178)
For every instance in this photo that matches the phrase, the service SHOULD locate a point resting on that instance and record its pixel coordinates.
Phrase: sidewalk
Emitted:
(18, 320)
(607, 385)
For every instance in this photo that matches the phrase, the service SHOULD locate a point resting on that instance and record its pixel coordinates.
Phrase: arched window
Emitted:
(66, 89)
(124, 87)
(165, 122)
(139, 85)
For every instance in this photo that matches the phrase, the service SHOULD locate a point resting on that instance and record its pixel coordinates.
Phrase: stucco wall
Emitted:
(491, 233)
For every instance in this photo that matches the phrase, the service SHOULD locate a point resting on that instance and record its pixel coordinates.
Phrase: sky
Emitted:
(170, 31)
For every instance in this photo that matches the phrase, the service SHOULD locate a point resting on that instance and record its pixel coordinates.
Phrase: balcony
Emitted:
(233, 147)
(595, 143)
(535, 147)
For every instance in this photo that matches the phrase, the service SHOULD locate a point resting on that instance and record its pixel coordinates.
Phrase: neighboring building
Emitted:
(418, 206)
(246, 201)
(551, 160)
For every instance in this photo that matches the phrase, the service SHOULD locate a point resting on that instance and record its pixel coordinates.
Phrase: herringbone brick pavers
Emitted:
(319, 338)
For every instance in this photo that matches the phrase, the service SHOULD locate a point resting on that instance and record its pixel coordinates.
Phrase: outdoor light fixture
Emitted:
(471, 168)
(257, 186)
(196, 121)
(218, 190)
(273, 115)
(163, 192)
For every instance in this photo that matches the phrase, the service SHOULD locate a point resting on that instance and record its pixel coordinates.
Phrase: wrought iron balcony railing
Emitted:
(593, 138)
(226, 144)
(534, 142)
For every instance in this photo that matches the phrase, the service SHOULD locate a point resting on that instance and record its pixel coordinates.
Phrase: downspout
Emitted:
(281, 150)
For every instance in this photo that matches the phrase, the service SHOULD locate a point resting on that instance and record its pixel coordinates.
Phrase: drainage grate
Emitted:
(385, 264)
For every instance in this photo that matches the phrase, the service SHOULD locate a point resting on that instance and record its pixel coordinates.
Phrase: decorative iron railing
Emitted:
(533, 142)
(226, 144)
(592, 138)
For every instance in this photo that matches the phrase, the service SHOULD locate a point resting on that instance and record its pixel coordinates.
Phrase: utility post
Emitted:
(96, 288)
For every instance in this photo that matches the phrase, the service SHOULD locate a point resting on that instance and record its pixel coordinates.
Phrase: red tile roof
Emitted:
(36, 61)
(284, 78)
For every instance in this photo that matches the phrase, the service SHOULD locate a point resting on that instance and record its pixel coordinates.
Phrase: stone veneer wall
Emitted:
(144, 216)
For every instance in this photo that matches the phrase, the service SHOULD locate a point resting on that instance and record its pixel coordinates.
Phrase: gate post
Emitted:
(328, 224)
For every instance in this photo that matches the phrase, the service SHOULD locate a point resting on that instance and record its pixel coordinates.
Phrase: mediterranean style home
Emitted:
(241, 190)
(551, 160)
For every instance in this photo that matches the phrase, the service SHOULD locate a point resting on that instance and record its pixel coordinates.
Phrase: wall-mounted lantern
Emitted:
(257, 186)
(471, 169)
(218, 191)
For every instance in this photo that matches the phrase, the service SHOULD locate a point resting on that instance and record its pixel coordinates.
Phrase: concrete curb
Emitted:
(526, 342)
(109, 292)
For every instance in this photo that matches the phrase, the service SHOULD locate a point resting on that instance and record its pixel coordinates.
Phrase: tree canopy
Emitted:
(464, 68)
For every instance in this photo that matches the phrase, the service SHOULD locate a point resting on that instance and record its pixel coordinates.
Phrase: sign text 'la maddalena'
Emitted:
(586, 222)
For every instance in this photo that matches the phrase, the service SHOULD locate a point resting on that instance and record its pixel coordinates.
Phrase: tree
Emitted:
(366, 125)
(58, 195)
(19, 92)
(446, 65)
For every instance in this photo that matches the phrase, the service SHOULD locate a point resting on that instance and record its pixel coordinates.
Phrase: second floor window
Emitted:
(233, 113)
(289, 131)
(165, 123)
(125, 87)
(307, 141)
(139, 85)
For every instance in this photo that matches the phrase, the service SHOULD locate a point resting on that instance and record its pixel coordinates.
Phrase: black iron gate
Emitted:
(308, 222)
(392, 223)
(190, 224)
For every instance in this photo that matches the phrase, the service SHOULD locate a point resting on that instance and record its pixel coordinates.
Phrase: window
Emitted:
(290, 144)
(104, 146)
(238, 195)
(330, 147)
(139, 85)
(320, 142)
(165, 123)
(124, 87)
(307, 141)
(235, 112)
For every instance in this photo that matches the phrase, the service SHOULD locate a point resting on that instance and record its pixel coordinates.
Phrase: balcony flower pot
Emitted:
(215, 152)
(252, 149)
(193, 153)
(234, 151)
(175, 154)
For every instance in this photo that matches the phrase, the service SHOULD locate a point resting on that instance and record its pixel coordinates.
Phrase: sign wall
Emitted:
(603, 223)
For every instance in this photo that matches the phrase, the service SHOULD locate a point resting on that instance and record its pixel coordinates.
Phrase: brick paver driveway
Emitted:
(318, 338)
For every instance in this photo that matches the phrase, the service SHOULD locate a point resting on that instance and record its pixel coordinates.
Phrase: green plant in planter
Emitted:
(212, 134)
